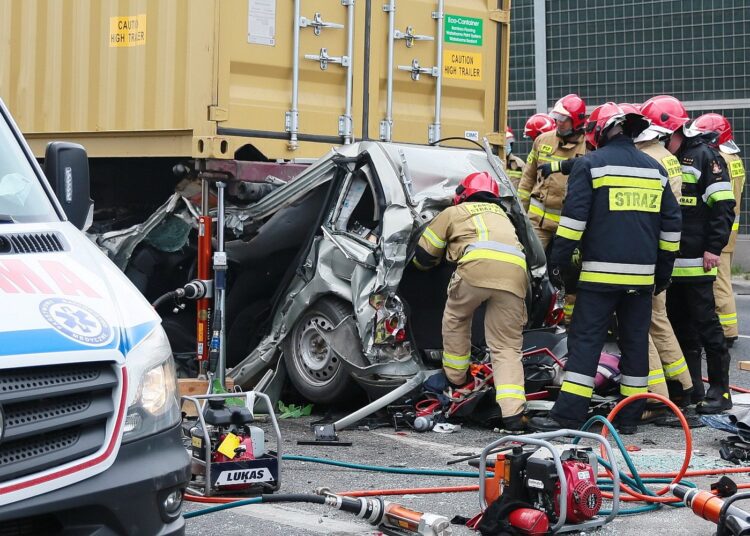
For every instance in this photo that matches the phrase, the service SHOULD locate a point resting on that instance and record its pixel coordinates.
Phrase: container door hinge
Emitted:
(217, 113)
(500, 15)
(496, 138)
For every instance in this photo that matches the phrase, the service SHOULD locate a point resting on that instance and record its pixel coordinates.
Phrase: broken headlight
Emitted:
(390, 319)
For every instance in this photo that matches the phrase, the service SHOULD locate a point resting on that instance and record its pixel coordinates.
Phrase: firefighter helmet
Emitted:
(509, 136)
(665, 113)
(538, 124)
(570, 107)
(475, 183)
(606, 116)
(630, 108)
(719, 124)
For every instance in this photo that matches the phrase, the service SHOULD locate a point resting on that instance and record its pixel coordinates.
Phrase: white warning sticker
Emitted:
(261, 22)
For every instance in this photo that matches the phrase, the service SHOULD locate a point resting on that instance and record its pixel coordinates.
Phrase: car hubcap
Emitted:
(315, 359)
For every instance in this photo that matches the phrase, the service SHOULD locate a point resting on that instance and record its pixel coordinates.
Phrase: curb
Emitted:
(741, 286)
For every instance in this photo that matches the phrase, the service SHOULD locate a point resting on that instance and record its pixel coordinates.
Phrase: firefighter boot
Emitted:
(718, 398)
(548, 424)
(693, 360)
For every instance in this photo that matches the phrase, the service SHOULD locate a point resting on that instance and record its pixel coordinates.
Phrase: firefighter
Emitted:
(477, 234)
(513, 164)
(542, 196)
(620, 207)
(726, 308)
(707, 204)
(538, 124)
(666, 362)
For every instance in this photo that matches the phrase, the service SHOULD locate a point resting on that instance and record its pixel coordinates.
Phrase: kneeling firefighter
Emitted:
(619, 206)
(477, 234)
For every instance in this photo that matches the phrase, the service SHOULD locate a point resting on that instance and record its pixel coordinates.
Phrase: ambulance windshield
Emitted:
(22, 198)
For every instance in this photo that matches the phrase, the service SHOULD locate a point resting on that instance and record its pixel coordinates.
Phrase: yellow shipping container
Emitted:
(285, 78)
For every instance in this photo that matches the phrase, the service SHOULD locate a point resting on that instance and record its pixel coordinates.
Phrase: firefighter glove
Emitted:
(549, 168)
(661, 286)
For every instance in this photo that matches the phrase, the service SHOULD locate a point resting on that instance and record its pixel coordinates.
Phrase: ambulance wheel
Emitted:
(314, 369)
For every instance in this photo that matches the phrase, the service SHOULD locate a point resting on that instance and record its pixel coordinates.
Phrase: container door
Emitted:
(285, 71)
(441, 81)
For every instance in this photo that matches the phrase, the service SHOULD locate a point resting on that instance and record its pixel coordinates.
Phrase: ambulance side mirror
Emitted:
(67, 168)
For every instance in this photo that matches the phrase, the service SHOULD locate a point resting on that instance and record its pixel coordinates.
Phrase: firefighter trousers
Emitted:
(587, 334)
(665, 359)
(692, 311)
(503, 326)
(726, 308)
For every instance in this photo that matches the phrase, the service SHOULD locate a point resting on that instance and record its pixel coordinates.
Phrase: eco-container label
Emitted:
(463, 30)
(462, 65)
(127, 31)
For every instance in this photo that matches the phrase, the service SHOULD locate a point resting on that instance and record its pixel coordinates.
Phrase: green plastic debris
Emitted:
(220, 390)
(292, 411)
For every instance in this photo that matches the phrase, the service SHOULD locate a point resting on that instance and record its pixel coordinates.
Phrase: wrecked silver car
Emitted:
(323, 285)
(320, 284)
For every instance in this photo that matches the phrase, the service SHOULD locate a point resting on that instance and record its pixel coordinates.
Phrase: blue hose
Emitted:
(382, 469)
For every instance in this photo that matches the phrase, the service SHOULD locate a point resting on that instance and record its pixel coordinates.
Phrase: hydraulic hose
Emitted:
(659, 498)
(634, 484)
(158, 302)
(732, 387)
(382, 469)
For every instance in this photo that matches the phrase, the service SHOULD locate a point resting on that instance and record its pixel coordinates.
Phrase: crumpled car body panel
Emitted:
(411, 184)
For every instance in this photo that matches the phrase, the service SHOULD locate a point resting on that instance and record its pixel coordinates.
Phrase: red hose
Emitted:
(212, 500)
(355, 493)
(634, 495)
(408, 491)
(732, 387)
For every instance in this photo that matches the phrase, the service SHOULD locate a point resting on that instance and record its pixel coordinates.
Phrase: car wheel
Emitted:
(314, 368)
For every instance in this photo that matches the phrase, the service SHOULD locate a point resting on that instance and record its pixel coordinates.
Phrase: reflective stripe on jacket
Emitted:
(481, 239)
(550, 192)
(737, 176)
(707, 204)
(620, 208)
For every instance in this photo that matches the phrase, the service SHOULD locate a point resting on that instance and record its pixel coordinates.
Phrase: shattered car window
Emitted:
(358, 212)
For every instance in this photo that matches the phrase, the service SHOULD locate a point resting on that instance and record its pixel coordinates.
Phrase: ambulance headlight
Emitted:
(153, 400)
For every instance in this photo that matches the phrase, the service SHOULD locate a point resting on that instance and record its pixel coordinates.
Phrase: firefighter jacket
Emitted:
(620, 208)
(707, 204)
(543, 198)
(669, 162)
(481, 239)
(737, 175)
(514, 169)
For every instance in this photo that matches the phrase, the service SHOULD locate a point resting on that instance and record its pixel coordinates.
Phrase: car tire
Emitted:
(314, 369)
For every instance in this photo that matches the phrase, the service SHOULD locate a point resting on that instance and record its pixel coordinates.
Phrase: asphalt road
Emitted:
(661, 449)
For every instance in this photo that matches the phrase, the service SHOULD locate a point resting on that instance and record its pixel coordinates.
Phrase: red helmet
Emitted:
(538, 124)
(476, 182)
(719, 124)
(509, 136)
(665, 113)
(630, 108)
(602, 118)
(570, 106)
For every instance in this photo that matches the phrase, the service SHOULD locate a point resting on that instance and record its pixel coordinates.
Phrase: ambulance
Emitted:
(90, 438)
